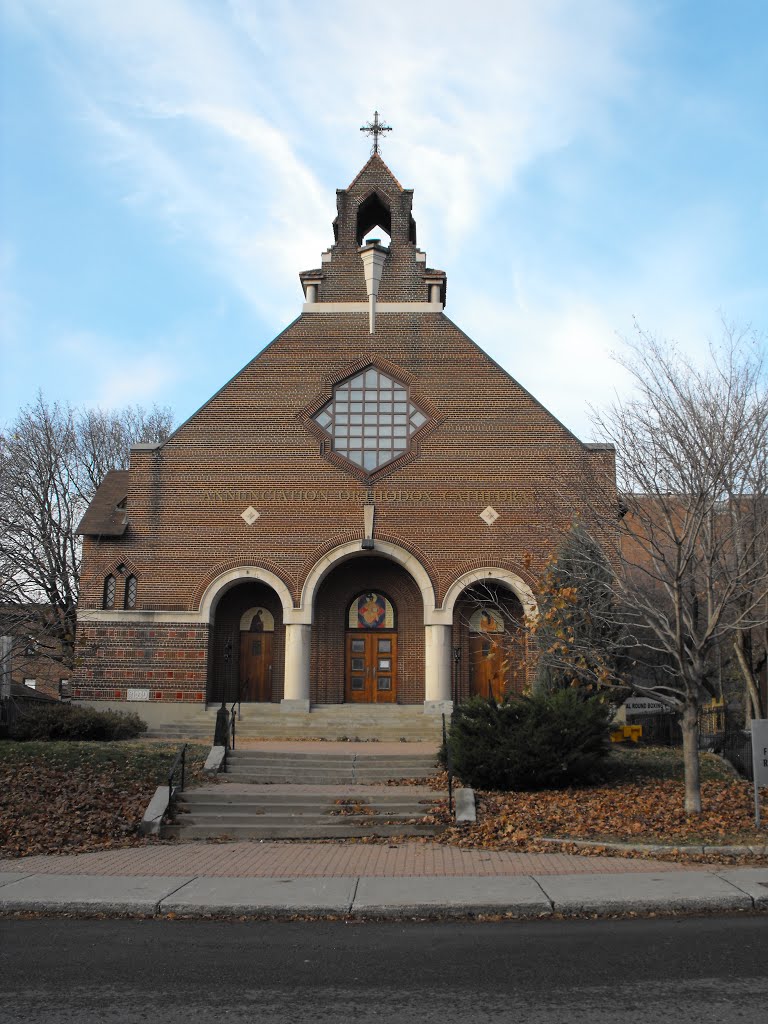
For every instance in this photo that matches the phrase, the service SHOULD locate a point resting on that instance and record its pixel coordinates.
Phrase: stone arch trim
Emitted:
(509, 579)
(344, 552)
(218, 571)
(245, 574)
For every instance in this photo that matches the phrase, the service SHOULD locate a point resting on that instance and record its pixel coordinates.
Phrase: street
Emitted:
(116, 972)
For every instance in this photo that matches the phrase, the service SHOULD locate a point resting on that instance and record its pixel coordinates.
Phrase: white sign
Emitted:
(760, 750)
(645, 706)
(137, 694)
(759, 760)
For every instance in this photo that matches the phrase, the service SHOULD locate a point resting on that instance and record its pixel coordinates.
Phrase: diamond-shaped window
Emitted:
(370, 419)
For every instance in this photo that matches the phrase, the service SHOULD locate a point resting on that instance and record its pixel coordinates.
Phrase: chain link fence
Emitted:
(720, 731)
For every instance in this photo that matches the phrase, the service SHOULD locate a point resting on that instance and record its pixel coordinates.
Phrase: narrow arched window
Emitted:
(130, 592)
(109, 592)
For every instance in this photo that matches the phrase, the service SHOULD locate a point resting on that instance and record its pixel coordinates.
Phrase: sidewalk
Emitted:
(359, 880)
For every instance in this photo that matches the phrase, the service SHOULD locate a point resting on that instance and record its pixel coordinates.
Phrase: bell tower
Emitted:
(366, 276)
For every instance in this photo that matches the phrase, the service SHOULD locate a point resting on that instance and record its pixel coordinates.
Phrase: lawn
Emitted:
(639, 801)
(68, 797)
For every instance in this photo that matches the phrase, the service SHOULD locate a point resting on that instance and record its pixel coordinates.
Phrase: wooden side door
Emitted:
(488, 665)
(371, 667)
(255, 666)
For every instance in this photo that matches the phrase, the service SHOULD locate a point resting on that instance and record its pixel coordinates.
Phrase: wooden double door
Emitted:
(489, 665)
(255, 666)
(371, 667)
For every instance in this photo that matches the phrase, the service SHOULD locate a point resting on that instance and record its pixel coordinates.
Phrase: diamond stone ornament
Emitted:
(489, 515)
(250, 515)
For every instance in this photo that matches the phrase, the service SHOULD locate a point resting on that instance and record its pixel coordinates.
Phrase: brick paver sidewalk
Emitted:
(328, 860)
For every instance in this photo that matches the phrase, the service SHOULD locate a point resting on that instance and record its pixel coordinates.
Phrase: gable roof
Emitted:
(103, 517)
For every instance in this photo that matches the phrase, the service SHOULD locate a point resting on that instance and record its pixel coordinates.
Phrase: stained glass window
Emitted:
(486, 620)
(371, 611)
(370, 419)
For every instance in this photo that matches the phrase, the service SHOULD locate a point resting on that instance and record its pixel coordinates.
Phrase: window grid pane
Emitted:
(379, 409)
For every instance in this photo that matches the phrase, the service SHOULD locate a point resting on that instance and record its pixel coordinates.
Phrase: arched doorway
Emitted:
(371, 650)
(490, 643)
(247, 656)
(257, 627)
(367, 611)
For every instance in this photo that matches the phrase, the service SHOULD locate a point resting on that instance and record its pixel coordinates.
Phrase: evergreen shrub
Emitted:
(67, 722)
(545, 741)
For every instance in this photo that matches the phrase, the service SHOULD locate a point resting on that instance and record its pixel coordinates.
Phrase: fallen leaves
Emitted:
(648, 813)
(78, 797)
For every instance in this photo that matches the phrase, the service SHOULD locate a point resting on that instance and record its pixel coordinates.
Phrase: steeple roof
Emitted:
(374, 173)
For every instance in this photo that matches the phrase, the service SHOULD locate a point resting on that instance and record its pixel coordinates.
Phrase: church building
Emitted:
(358, 517)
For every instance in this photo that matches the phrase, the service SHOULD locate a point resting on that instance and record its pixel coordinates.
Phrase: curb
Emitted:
(654, 848)
(737, 890)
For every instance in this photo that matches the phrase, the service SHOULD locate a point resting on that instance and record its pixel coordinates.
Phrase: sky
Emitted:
(579, 166)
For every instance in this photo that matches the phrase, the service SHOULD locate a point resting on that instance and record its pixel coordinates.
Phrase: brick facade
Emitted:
(198, 564)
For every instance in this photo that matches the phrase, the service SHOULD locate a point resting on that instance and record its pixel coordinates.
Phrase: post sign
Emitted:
(759, 760)
(645, 706)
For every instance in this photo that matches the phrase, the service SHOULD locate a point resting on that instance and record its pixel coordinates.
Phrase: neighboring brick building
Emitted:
(359, 515)
(37, 655)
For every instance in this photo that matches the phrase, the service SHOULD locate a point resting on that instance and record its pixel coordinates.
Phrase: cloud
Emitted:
(114, 380)
(226, 126)
(212, 122)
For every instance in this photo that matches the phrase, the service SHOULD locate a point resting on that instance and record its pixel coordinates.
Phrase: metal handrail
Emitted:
(179, 761)
(231, 732)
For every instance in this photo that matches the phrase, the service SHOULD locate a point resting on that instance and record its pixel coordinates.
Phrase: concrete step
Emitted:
(335, 759)
(237, 801)
(300, 815)
(326, 779)
(300, 768)
(309, 817)
(297, 831)
(309, 811)
(330, 722)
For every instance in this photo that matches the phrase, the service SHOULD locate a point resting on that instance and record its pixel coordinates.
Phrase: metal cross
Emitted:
(375, 129)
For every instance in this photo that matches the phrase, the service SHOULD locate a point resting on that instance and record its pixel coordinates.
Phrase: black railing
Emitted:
(449, 766)
(231, 733)
(179, 765)
(720, 731)
(737, 748)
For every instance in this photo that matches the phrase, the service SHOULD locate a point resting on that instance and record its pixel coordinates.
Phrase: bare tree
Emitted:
(52, 459)
(691, 542)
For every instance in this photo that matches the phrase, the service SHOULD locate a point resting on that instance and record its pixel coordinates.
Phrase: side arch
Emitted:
(351, 549)
(241, 574)
(508, 579)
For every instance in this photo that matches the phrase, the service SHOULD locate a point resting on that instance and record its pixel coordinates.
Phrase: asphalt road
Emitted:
(702, 970)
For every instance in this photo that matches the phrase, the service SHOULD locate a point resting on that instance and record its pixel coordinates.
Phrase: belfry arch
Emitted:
(373, 212)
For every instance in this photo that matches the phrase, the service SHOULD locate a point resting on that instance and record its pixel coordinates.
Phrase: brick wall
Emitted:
(169, 660)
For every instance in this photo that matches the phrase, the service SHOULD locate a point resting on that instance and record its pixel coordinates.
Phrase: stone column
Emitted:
(297, 643)
(437, 668)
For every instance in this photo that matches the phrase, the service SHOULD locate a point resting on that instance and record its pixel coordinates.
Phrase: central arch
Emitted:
(367, 634)
(352, 549)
